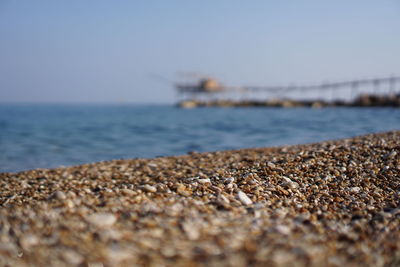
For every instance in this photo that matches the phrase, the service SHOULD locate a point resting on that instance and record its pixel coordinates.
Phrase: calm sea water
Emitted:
(44, 136)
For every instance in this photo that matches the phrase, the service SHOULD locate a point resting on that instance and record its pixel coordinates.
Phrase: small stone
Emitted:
(283, 229)
(191, 230)
(168, 251)
(215, 188)
(355, 189)
(289, 183)
(385, 168)
(127, 192)
(72, 257)
(271, 165)
(390, 155)
(59, 195)
(69, 204)
(229, 180)
(28, 241)
(153, 165)
(244, 198)
(117, 255)
(224, 199)
(149, 188)
(282, 258)
(102, 219)
(182, 190)
(204, 181)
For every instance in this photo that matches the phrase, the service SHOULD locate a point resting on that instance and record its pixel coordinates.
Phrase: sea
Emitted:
(51, 135)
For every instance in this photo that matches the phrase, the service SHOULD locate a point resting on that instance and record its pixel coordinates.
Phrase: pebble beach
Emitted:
(333, 203)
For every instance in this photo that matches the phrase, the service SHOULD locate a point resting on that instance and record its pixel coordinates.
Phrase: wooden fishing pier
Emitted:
(359, 92)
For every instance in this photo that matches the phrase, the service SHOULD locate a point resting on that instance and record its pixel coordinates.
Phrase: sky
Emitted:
(96, 51)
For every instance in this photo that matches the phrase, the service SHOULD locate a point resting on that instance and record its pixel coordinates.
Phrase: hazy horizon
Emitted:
(107, 52)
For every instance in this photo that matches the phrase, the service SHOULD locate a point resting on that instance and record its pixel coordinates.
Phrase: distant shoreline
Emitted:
(362, 101)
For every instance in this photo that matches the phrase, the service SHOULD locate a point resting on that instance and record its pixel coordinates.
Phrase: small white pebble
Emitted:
(69, 204)
(290, 183)
(229, 180)
(224, 199)
(152, 165)
(127, 192)
(385, 168)
(244, 198)
(229, 186)
(287, 179)
(355, 189)
(283, 229)
(191, 230)
(102, 219)
(204, 181)
(72, 257)
(271, 165)
(28, 241)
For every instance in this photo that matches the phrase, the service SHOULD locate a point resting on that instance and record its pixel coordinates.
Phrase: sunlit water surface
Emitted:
(44, 136)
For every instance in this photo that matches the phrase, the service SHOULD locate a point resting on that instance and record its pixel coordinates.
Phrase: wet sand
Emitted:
(334, 203)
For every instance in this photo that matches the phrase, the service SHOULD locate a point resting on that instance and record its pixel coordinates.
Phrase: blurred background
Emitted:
(102, 51)
(83, 81)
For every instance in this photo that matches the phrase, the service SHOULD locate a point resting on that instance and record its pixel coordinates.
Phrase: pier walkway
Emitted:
(361, 92)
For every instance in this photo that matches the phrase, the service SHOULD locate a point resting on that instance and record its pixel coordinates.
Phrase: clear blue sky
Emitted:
(103, 51)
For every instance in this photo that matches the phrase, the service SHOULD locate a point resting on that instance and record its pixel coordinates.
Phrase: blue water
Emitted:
(43, 136)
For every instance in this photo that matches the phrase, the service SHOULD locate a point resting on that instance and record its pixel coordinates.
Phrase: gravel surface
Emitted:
(334, 203)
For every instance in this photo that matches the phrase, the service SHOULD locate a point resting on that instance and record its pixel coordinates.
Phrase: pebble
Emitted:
(224, 199)
(204, 181)
(149, 188)
(244, 198)
(390, 155)
(127, 192)
(72, 257)
(102, 219)
(290, 183)
(229, 180)
(283, 229)
(271, 165)
(191, 230)
(59, 195)
(355, 189)
(29, 240)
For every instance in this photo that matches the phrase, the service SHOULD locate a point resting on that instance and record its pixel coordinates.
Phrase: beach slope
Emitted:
(334, 203)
